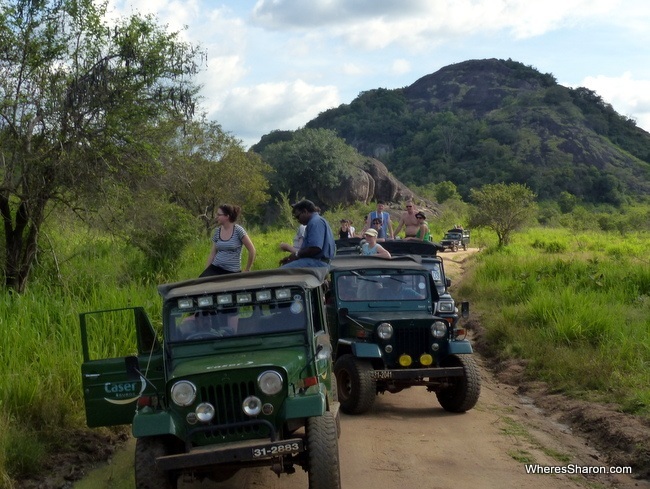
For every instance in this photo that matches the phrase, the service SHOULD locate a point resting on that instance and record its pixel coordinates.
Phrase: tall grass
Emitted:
(576, 307)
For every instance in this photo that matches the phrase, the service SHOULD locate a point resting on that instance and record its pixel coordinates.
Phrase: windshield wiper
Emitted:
(366, 279)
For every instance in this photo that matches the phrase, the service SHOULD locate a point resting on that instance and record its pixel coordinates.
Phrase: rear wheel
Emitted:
(147, 473)
(464, 392)
(323, 452)
(357, 389)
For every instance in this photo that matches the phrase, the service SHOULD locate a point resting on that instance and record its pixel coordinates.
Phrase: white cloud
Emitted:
(628, 96)
(251, 112)
(417, 24)
(299, 14)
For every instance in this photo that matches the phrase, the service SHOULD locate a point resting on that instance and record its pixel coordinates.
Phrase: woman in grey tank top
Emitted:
(227, 242)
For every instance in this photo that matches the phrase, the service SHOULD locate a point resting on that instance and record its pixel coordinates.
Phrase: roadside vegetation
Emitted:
(575, 306)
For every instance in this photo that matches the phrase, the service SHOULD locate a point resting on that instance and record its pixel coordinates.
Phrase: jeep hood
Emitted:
(375, 316)
(290, 359)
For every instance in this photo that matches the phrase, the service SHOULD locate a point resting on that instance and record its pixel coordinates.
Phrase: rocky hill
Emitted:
(489, 121)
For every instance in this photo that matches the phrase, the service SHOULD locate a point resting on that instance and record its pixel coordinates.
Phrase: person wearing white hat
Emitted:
(370, 247)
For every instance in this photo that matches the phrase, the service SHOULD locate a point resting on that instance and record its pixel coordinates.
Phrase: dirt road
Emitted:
(407, 440)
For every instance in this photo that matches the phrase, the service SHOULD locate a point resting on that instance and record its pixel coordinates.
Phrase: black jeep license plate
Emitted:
(278, 448)
(382, 374)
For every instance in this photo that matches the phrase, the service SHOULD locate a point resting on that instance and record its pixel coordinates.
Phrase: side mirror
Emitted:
(132, 367)
(448, 282)
(464, 309)
(323, 352)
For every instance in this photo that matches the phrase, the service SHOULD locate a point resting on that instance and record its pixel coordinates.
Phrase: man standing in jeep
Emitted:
(318, 247)
(384, 219)
(408, 221)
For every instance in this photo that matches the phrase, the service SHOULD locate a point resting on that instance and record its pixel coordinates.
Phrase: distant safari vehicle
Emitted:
(455, 238)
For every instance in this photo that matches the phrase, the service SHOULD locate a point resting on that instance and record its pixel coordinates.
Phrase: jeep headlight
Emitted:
(439, 329)
(270, 382)
(252, 406)
(205, 412)
(446, 306)
(385, 331)
(183, 393)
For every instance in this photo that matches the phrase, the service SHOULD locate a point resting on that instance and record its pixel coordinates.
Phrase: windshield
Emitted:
(355, 286)
(240, 317)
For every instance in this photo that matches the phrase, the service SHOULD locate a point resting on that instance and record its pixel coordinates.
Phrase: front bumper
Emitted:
(245, 452)
(417, 373)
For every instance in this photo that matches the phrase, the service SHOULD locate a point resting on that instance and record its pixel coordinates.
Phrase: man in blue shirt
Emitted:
(318, 246)
(384, 218)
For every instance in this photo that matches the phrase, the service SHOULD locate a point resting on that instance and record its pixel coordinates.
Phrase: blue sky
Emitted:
(276, 64)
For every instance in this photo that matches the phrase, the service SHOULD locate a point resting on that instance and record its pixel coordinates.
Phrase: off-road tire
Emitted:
(464, 246)
(147, 474)
(454, 248)
(335, 398)
(357, 389)
(323, 452)
(463, 394)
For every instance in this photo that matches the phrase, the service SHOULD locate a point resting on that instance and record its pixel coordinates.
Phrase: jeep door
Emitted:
(110, 392)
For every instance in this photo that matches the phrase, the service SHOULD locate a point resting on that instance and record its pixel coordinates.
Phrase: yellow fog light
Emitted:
(405, 360)
(426, 359)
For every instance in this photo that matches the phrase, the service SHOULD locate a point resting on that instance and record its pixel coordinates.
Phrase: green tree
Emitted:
(81, 105)
(160, 230)
(206, 167)
(504, 208)
(312, 159)
(567, 201)
(445, 191)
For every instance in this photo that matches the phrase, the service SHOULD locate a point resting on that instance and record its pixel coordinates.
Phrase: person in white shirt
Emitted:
(371, 247)
(297, 240)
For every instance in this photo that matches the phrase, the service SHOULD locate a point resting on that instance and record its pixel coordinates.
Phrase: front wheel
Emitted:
(462, 395)
(323, 452)
(147, 473)
(357, 389)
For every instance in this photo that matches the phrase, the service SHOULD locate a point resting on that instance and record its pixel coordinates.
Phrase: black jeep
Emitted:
(389, 333)
(455, 238)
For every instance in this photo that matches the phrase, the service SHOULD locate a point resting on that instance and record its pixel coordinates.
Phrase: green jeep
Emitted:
(242, 378)
(389, 334)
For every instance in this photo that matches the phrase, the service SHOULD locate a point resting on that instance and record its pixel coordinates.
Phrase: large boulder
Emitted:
(371, 182)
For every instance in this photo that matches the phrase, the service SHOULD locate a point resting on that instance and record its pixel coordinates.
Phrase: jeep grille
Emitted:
(413, 341)
(227, 400)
